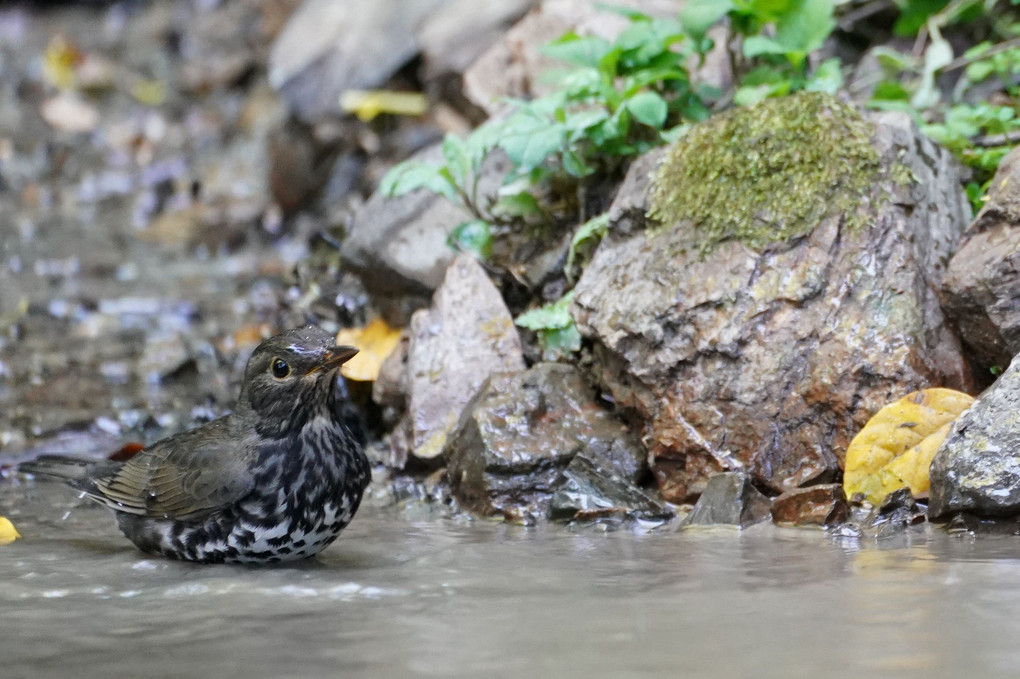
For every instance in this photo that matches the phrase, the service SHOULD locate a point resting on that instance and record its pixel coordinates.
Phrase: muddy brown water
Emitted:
(409, 591)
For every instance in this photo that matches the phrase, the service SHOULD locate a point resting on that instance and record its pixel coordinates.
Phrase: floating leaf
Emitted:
(367, 104)
(8, 533)
(896, 446)
(375, 342)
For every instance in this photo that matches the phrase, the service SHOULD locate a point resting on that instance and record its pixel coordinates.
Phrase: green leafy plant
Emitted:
(619, 99)
(773, 41)
(978, 130)
(557, 334)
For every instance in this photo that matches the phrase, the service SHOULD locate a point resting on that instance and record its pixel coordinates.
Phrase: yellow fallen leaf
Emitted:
(895, 448)
(367, 104)
(8, 533)
(376, 341)
(59, 61)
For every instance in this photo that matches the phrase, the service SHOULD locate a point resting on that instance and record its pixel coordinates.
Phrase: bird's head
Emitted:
(291, 376)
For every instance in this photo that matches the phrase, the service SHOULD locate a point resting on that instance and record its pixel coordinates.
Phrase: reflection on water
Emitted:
(403, 593)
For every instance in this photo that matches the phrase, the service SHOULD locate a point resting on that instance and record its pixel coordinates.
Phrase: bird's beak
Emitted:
(334, 357)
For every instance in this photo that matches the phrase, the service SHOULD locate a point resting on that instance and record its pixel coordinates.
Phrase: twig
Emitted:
(993, 140)
(961, 62)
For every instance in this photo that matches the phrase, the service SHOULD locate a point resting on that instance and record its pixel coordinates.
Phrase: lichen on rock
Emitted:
(770, 172)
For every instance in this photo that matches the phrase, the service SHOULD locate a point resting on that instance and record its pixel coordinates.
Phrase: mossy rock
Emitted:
(771, 172)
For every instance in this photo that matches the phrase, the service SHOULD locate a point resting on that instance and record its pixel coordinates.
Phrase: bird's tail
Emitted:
(77, 472)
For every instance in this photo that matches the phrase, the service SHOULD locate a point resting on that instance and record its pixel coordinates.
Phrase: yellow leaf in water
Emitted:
(375, 342)
(8, 533)
(895, 448)
(367, 104)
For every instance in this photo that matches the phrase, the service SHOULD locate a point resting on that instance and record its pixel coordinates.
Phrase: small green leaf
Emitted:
(648, 108)
(580, 50)
(585, 238)
(557, 334)
(412, 175)
(828, 77)
(521, 204)
(473, 236)
(698, 16)
(456, 155)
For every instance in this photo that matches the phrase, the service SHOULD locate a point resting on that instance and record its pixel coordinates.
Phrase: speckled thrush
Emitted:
(275, 480)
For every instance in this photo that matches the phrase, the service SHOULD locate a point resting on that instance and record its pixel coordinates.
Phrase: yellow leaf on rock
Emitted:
(8, 533)
(375, 342)
(895, 448)
(367, 104)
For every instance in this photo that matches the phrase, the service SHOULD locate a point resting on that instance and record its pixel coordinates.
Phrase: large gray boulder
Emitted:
(520, 432)
(465, 336)
(981, 292)
(769, 357)
(977, 469)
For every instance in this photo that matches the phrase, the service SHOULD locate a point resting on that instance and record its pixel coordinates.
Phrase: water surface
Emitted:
(409, 592)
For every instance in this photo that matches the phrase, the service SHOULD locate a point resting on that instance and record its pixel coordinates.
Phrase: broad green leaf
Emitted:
(828, 77)
(698, 16)
(648, 108)
(412, 175)
(455, 153)
(804, 27)
(473, 236)
(580, 50)
(521, 204)
(757, 45)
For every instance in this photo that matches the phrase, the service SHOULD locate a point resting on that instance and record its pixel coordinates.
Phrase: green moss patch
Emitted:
(769, 172)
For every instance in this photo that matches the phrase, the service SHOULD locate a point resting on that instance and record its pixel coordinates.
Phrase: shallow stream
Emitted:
(409, 592)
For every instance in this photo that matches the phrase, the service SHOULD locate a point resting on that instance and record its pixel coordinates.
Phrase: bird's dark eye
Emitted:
(279, 368)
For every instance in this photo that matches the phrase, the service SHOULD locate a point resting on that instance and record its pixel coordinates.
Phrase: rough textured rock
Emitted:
(977, 469)
(981, 292)
(520, 432)
(329, 46)
(822, 505)
(590, 491)
(771, 360)
(455, 345)
(398, 246)
(730, 499)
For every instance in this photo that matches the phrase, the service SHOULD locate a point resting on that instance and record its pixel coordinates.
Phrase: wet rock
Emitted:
(899, 508)
(731, 499)
(592, 492)
(522, 430)
(399, 245)
(164, 356)
(981, 291)
(455, 345)
(823, 505)
(977, 469)
(329, 46)
(770, 359)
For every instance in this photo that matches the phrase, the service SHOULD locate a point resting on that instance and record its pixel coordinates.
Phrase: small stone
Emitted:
(730, 499)
(822, 505)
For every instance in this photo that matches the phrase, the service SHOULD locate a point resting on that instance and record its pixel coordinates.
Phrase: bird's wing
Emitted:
(185, 476)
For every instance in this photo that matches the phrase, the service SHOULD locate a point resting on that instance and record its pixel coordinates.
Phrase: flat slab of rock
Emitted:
(981, 291)
(729, 499)
(591, 492)
(465, 336)
(522, 430)
(771, 360)
(977, 469)
(822, 505)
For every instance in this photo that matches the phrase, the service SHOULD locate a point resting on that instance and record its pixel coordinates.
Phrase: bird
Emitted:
(275, 480)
